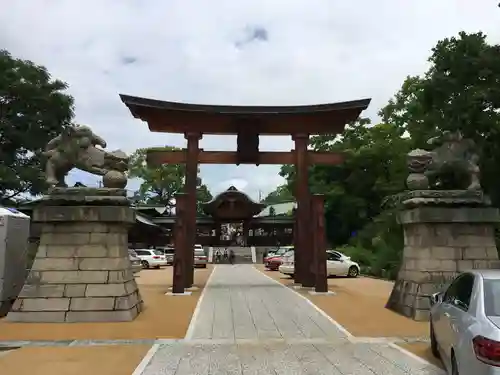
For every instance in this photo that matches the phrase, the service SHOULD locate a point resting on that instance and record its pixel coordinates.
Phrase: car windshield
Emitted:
(132, 252)
(158, 252)
(198, 252)
(283, 250)
(491, 297)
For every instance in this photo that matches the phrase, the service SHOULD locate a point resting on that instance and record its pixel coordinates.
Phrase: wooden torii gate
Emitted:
(247, 123)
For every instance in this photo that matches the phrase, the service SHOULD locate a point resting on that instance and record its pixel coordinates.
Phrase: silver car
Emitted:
(169, 254)
(465, 324)
(200, 259)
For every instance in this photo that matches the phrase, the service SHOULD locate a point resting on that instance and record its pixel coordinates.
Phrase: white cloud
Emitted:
(202, 52)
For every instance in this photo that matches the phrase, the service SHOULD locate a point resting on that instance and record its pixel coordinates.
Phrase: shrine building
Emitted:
(231, 218)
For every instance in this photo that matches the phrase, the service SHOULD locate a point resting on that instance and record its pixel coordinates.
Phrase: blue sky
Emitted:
(279, 52)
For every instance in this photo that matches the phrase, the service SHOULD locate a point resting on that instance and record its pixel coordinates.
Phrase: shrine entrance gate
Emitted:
(248, 123)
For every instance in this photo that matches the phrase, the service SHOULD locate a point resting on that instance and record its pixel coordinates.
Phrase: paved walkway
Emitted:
(249, 324)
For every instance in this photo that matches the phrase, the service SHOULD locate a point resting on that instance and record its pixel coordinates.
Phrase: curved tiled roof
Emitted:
(232, 192)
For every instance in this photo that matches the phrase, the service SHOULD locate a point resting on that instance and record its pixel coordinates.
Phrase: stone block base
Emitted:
(439, 244)
(408, 299)
(82, 271)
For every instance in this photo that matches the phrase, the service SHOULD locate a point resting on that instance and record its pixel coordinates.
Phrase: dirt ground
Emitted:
(359, 306)
(83, 360)
(163, 316)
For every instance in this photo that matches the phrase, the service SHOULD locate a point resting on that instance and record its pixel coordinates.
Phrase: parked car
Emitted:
(465, 324)
(135, 261)
(273, 263)
(337, 264)
(168, 251)
(287, 265)
(279, 251)
(200, 258)
(151, 258)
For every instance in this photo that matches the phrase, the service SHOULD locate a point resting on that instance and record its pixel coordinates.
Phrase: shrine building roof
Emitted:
(174, 117)
(232, 204)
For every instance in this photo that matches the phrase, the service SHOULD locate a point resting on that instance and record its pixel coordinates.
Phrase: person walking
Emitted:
(231, 256)
(226, 256)
(217, 256)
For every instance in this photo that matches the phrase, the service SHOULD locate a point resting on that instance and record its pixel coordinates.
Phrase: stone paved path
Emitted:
(248, 324)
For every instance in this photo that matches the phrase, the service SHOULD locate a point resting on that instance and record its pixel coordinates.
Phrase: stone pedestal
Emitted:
(82, 271)
(445, 233)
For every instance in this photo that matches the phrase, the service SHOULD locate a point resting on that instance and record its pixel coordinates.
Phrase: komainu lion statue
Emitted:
(76, 148)
(451, 165)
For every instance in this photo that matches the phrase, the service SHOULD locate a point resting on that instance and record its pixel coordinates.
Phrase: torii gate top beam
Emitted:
(171, 117)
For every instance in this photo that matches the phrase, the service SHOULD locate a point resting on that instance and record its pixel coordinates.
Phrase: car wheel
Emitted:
(454, 366)
(434, 345)
(353, 271)
(145, 264)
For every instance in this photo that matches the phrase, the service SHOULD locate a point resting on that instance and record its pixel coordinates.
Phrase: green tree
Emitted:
(160, 184)
(374, 167)
(33, 109)
(460, 91)
(279, 195)
(203, 195)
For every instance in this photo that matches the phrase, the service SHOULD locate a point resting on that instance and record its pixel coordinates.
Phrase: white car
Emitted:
(337, 264)
(151, 258)
(465, 324)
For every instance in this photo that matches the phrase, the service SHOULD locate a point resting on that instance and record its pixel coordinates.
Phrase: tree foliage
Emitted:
(279, 195)
(160, 184)
(374, 167)
(459, 91)
(203, 195)
(33, 109)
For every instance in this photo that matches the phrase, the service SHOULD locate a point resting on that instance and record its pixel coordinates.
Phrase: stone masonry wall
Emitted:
(81, 272)
(437, 250)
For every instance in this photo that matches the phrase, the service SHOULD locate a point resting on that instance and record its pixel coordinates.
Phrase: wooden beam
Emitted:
(319, 243)
(159, 157)
(180, 245)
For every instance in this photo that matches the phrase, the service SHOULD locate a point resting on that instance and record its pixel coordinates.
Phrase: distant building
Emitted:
(231, 217)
